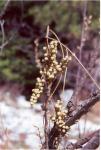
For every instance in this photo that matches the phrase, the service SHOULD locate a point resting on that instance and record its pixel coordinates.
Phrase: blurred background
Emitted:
(21, 24)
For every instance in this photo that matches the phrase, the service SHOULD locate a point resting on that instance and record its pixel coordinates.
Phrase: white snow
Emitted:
(22, 120)
(88, 127)
(66, 95)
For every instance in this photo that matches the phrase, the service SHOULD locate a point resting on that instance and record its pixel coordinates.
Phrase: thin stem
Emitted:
(3, 33)
(59, 43)
(39, 134)
(55, 87)
(64, 82)
(46, 100)
(5, 131)
(5, 8)
(78, 87)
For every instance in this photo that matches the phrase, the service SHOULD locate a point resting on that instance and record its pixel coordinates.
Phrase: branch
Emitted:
(87, 139)
(3, 33)
(81, 110)
(47, 92)
(93, 143)
(5, 8)
(82, 43)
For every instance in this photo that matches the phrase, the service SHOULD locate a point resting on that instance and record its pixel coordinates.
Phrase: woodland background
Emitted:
(26, 21)
(22, 23)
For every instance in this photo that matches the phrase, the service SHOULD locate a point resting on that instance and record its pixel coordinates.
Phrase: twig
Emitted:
(46, 101)
(78, 87)
(37, 60)
(4, 44)
(93, 143)
(39, 134)
(64, 81)
(5, 7)
(86, 140)
(3, 33)
(83, 108)
(55, 88)
(5, 131)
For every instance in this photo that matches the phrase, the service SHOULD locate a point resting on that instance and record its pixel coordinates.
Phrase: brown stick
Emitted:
(46, 121)
(93, 143)
(83, 108)
(47, 91)
(87, 139)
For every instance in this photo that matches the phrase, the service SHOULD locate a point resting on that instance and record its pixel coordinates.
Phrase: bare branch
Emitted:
(39, 134)
(5, 8)
(88, 140)
(83, 108)
(3, 33)
(93, 143)
(47, 91)
(82, 43)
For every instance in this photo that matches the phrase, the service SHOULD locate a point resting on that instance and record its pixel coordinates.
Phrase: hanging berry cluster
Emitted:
(38, 90)
(60, 118)
(50, 68)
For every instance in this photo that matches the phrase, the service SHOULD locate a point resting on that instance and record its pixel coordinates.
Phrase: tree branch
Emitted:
(93, 143)
(83, 108)
(87, 139)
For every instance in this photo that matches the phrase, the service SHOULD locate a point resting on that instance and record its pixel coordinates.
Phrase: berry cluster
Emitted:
(37, 91)
(50, 68)
(50, 61)
(52, 65)
(64, 62)
(60, 118)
